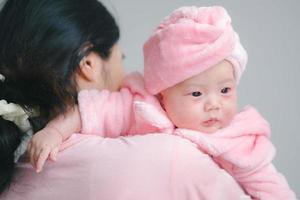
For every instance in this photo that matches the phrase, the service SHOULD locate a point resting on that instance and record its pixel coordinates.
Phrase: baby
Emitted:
(193, 63)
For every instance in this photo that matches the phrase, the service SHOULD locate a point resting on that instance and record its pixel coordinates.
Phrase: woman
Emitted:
(50, 50)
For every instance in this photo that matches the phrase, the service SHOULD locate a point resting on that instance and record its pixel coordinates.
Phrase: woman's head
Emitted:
(42, 44)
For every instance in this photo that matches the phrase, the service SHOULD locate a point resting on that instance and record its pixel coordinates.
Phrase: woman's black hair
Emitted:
(41, 45)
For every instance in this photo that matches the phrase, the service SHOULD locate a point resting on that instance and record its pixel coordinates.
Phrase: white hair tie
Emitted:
(2, 78)
(16, 114)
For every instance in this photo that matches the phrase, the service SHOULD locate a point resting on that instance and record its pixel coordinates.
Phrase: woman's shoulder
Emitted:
(154, 166)
(172, 166)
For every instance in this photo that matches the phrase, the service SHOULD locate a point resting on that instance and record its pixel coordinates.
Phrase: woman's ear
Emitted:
(89, 73)
(90, 67)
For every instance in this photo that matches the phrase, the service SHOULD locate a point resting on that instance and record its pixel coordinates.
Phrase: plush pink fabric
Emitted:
(153, 166)
(130, 111)
(245, 151)
(188, 42)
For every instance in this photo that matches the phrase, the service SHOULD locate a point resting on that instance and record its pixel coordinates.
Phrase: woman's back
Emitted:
(154, 166)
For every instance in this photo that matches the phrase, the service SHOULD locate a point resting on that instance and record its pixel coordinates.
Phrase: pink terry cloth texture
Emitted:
(129, 111)
(188, 42)
(244, 150)
(151, 166)
(147, 167)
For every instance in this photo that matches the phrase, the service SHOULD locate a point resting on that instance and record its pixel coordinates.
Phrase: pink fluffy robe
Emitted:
(127, 112)
(244, 150)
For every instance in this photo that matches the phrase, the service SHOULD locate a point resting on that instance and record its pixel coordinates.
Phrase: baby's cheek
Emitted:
(230, 105)
(181, 117)
(192, 117)
(228, 117)
(174, 113)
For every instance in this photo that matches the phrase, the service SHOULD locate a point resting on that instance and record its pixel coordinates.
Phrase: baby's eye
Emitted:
(225, 90)
(196, 94)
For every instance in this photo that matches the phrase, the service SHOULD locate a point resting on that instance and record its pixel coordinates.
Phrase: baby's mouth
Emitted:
(210, 122)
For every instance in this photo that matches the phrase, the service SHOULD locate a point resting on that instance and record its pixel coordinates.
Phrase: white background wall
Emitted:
(270, 31)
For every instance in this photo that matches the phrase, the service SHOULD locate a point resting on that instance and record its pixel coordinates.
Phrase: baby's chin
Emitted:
(205, 129)
(208, 130)
(213, 128)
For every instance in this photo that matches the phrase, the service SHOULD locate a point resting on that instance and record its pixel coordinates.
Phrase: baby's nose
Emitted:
(212, 103)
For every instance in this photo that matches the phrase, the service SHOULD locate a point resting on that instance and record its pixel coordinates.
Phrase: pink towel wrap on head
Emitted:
(188, 42)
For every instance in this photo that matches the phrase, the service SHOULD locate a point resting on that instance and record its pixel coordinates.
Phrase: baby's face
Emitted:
(206, 102)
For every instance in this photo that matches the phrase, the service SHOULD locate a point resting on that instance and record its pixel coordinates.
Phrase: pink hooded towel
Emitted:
(188, 42)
